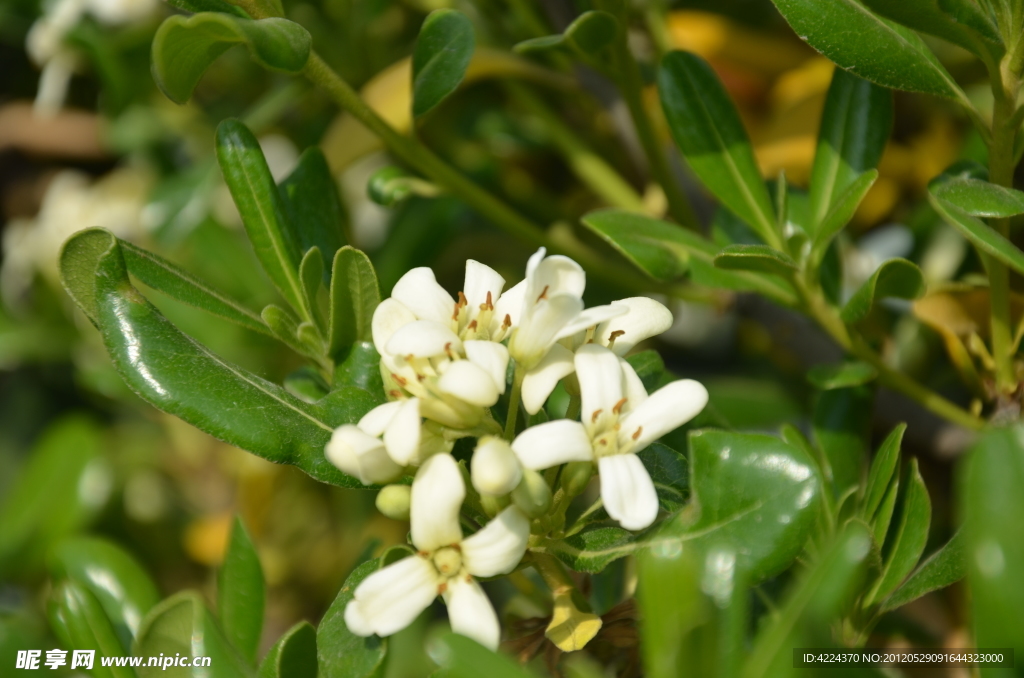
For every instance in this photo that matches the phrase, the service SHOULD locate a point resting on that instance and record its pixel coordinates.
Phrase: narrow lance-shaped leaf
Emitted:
(256, 196)
(181, 377)
(439, 61)
(984, 237)
(355, 295)
(311, 274)
(978, 197)
(894, 278)
(756, 259)
(946, 566)
(184, 47)
(314, 207)
(241, 593)
(875, 48)
(882, 469)
(843, 209)
(709, 132)
(293, 655)
(855, 127)
(80, 622)
(883, 518)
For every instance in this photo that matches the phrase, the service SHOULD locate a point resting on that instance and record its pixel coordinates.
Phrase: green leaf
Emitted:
(841, 375)
(992, 503)
(184, 47)
(929, 16)
(462, 657)
(119, 584)
(756, 259)
(313, 205)
(306, 384)
(946, 566)
(894, 278)
(80, 622)
(64, 463)
(708, 130)
(241, 593)
(613, 225)
(669, 472)
(355, 295)
(196, 6)
(881, 473)
(877, 49)
(883, 518)
(293, 655)
(311, 274)
(980, 198)
(163, 366)
(588, 34)
(259, 202)
(841, 424)
(163, 276)
(981, 235)
(341, 653)
(593, 548)
(359, 366)
(855, 126)
(439, 61)
(843, 209)
(910, 538)
(182, 625)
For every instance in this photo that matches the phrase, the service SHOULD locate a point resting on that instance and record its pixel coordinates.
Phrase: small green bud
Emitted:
(394, 500)
(532, 495)
(493, 504)
(575, 477)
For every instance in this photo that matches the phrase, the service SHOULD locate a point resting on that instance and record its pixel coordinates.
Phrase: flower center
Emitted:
(448, 561)
(479, 322)
(603, 428)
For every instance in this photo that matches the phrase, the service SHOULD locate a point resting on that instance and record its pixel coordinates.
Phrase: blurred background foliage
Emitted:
(80, 453)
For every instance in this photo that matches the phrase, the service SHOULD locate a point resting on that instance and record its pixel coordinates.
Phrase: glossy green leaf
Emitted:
(119, 584)
(894, 278)
(649, 366)
(284, 327)
(843, 208)
(992, 503)
(593, 548)
(313, 205)
(341, 653)
(184, 47)
(182, 625)
(64, 463)
(592, 31)
(293, 655)
(674, 244)
(355, 295)
(461, 657)
(841, 425)
(882, 468)
(929, 16)
(875, 48)
(756, 259)
(946, 566)
(259, 202)
(709, 132)
(883, 518)
(841, 375)
(855, 126)
(311, 274)
(81, 623)
(160, 274)
(439, 61)
(981, 235)
(241, 593)
(668, 470)
(910, 538)
(980, 198)
(163, 366)
(359, 366)
(306, 384)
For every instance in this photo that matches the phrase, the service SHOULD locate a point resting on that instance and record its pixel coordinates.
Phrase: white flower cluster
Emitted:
(445, 364)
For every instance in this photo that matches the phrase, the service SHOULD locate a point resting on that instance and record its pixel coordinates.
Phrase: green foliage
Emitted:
(946, 566)
(341, 653)
(443, 50)
(355, 294)
(757, 259)
(461, 657)
(589, 34)
(313, 205)
(240, 593)
(958, 21)
(294, 655)
(841, 375)
(80, 622)
(894, 278)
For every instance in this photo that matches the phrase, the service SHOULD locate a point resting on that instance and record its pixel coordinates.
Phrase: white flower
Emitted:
(389, 600)
(495, 469)
(619, 420)
(386, 439)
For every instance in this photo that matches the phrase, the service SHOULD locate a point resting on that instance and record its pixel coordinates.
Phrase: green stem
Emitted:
(552, 572)
(513, 404)
(572, 412)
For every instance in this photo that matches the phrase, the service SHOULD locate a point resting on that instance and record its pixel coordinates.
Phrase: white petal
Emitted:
(471, 613)
(390, 599)
(468, 382)
(437, 494)
(361, 456)
(635, 392)
(492, 357)
(557, 275)
(419, 291)
(481, 279)
(627, 491)
(510, 304)
(402, 436)
(592, 317)
(495, 468)
(553, 443)
(666, 409)
(388, 317)
(423, 339)
(499, 546)
(539, 382)
(600, 378)
(355, 621)
(645, 318)
(539, 326)
(376, 420)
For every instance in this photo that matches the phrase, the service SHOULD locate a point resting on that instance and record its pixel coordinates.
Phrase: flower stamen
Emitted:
(618, 406)
(595, 415)
(639, 430)
(543, 293)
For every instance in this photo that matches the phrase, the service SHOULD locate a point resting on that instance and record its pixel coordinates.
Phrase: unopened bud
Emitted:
(532, 495)
(494, 504)
(495, 469)
(394, 500)
(575, 477)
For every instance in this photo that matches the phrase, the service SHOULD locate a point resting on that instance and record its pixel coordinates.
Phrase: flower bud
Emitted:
(495, 468)
(394, 500)
(532, 495)
(493, 504)
(575, 477)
